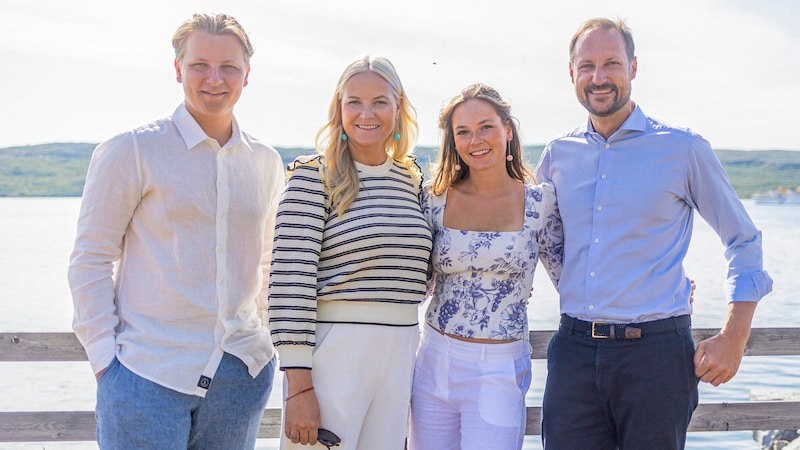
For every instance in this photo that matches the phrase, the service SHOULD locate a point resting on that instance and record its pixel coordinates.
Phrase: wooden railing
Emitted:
(45, 426)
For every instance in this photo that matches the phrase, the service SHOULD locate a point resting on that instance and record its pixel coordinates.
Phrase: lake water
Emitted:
(36, 237)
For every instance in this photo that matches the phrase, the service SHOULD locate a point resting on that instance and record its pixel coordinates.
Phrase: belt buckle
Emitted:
(594, 332)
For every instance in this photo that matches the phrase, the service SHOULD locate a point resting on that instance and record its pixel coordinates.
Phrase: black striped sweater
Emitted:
(368, 266)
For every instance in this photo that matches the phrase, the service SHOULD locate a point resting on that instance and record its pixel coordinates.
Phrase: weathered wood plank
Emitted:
(270, 424)
(47, 426)
(64, 346)
(54, 426)
(741, 416)
(762, 342)
(27, 347)
(80, 425)
(746, 416)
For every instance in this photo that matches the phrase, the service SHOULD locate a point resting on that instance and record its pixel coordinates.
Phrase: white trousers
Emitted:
(362, 379)
(467, 395)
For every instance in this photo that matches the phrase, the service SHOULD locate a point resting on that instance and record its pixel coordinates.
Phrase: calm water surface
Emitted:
(36, 236)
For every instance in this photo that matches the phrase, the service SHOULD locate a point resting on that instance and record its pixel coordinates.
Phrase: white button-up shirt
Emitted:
(173, 252)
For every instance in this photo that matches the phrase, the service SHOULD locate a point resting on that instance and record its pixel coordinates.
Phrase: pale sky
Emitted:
(85, 70)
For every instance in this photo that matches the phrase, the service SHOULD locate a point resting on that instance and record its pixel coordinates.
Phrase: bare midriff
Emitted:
(475, 340)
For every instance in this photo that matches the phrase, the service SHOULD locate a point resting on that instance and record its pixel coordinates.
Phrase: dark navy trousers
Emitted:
(607, 394)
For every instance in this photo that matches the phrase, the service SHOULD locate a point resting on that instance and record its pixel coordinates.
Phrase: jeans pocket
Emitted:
(111, 366)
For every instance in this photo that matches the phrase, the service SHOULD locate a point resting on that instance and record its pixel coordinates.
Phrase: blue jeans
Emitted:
(134, 413)
(609, 394)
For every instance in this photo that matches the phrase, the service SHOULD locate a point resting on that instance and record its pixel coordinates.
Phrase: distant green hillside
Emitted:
(59, 169)
(48, 170)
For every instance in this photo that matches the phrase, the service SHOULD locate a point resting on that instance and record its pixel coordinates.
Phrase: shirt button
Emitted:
(603, 176)
(591, 307)
(591, 274)
(599, 207)
(607, 146)
(596, 241)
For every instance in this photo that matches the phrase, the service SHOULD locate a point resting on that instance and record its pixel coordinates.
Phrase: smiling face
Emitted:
(602, 73)
(213, 72)
(480, 136)
(369, 115)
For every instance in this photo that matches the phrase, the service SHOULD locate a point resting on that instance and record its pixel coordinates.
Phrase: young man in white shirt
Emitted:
(171, 258)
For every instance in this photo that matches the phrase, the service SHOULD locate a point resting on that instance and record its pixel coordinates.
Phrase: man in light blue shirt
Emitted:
(622, 368)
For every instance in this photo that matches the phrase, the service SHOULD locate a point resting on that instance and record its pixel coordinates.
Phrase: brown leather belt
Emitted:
(473, 340)
(623, 331)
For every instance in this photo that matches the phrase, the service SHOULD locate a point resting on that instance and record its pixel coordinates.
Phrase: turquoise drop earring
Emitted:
(344, 137)
(397, 136)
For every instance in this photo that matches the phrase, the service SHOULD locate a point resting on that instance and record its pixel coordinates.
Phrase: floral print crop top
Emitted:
(480, 281)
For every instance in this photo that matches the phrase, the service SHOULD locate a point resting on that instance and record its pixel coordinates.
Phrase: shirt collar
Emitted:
(636, 122)
(193, 135)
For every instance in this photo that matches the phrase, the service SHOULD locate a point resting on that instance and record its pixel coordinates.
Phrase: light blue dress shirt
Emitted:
(627, 205)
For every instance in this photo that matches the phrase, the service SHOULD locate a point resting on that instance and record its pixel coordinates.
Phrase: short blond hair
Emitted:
(216, 24)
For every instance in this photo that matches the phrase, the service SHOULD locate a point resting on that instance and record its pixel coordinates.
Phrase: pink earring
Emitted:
(509, 157)
(457, 167)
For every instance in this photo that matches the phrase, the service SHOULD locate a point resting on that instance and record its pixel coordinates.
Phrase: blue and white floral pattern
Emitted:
(480, 281)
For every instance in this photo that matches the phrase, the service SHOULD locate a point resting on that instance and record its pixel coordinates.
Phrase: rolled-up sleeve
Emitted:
(717, 202)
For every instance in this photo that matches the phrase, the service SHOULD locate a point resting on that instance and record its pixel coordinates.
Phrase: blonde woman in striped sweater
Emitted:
(349, 267)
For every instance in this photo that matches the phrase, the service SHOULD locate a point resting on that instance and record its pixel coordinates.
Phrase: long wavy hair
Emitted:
(444, 171)
(339, 171)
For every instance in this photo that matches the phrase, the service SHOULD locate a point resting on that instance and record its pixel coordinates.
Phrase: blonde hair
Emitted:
(215, 24)
(339, 171)
(444, 171)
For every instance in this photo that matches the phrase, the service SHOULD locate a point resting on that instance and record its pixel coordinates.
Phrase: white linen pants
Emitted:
(362, 379)
(468, 395)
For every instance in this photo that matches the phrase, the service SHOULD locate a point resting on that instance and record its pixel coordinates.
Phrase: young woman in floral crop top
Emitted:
(490, 226)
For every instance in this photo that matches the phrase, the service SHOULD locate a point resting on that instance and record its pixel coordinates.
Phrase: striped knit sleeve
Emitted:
(293, 277)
